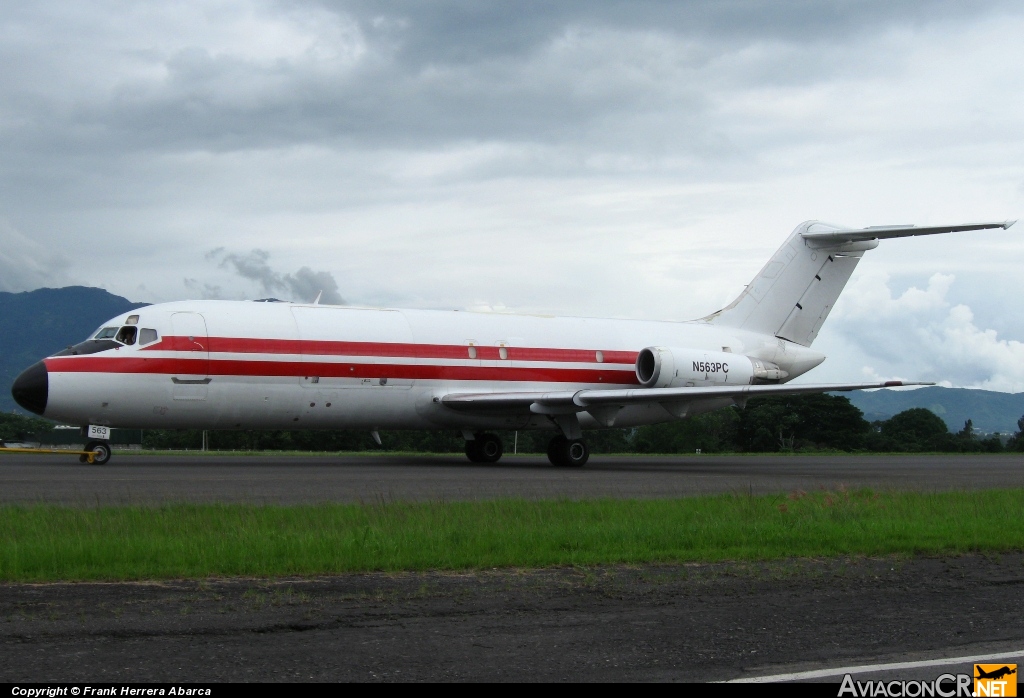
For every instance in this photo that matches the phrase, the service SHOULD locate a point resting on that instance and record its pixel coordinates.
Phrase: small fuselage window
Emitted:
(147, 336)
(127, 335)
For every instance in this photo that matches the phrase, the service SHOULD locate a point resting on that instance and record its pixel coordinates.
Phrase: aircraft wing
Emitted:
(567, 402)
(883, 232)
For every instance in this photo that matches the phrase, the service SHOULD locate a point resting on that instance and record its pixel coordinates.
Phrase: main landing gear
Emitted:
(485, 448)
(568, 453)
(562, 452)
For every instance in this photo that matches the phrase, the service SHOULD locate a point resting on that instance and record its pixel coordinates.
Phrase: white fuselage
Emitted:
(264, 365)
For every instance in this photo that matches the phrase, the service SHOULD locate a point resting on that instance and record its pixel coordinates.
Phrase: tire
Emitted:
(101, 451)
(489, 448)
(576, 453)
(472, 451)
(556, 450)
(566, 453)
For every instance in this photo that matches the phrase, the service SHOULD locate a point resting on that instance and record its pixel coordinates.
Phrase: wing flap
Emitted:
(506, 402)
(585, 398)
(565, 402)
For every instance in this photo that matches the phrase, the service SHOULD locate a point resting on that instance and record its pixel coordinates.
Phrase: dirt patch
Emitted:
(655, 622)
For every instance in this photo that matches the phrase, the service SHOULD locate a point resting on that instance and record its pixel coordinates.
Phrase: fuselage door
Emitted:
(191, 374)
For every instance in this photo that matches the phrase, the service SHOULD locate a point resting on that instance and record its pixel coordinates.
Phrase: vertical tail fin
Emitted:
(793, 294)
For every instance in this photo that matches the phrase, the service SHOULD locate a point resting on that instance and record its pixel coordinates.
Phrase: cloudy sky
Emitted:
(628, 159)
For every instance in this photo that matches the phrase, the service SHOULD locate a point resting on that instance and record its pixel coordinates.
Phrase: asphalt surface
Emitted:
(650, 623)
(139, 479)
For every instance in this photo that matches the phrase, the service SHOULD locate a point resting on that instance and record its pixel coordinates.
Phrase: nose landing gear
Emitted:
(485, 448)
(100, 451)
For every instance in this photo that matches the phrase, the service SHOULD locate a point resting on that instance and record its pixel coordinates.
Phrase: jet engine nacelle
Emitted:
(666, 367)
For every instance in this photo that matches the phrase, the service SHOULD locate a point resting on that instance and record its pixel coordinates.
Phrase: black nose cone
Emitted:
(31, 388)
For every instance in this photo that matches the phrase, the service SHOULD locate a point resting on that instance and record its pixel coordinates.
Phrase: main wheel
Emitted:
(489, 447)
(100, 450)
(556, 450)
(473, 450)
(576, 453)
(568, 453)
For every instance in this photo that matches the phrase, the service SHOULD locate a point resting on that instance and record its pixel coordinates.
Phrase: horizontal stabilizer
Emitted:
(793, 294)
(565, 402)
(885, 232)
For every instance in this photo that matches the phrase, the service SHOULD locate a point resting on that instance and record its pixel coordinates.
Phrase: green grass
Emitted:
(43, 543)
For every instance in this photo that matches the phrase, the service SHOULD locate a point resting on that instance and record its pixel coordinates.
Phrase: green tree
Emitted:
(711, 432)
(802, 422)
(1016, 442)
(916, 429)
(968, 440)
(967, 433)
(16, 427)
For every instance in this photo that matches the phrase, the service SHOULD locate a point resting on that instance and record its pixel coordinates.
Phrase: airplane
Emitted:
(281, 365)
(995, 673)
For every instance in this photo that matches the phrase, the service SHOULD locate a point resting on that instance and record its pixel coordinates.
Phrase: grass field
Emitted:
(45, 543)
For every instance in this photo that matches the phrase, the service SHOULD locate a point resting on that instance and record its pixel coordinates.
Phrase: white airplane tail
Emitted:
(795, 291)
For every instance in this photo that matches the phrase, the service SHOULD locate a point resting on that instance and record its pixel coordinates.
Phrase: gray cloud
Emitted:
(25, 264)
(463, 31)
(370, 73)
(254, 266)
(920, 333)
(305, 284)
(205, 291)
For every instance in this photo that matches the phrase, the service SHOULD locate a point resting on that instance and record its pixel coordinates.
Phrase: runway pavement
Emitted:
(142, 479)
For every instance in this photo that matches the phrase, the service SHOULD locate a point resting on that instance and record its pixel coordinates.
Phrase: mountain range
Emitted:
(989, 411)
(35, 324)
(38, 323)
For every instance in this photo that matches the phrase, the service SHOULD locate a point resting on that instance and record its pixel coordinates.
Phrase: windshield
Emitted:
(106, 333)
(89, 346)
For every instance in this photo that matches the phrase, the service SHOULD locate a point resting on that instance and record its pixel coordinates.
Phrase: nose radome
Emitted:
(31, 388)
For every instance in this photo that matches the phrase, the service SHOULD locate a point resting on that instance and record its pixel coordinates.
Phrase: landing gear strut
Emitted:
(485, 448)
(570, 453)
(100, 450)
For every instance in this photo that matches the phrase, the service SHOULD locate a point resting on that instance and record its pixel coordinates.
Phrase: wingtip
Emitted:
(1008, 224)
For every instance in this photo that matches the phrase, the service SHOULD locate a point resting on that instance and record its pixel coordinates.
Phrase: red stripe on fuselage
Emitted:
(309, 347)
(175, 366)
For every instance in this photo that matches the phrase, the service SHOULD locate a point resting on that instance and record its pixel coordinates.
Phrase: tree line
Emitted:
(767, 425)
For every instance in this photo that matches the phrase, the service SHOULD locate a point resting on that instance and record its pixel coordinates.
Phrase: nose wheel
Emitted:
(568, 453)
(100, 451)
(485, 448)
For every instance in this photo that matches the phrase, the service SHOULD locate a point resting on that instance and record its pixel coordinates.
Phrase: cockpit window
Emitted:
(127, 335)
(106, 333)
(147, 336)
